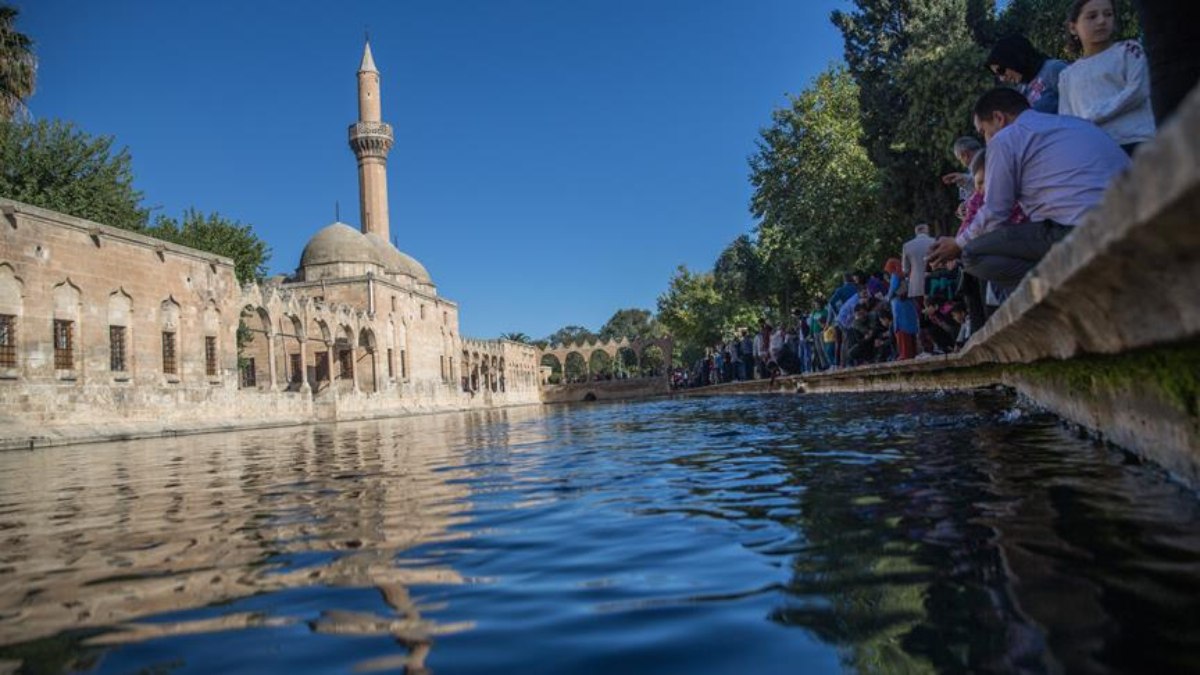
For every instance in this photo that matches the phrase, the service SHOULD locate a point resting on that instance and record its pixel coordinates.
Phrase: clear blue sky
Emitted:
(555, 160)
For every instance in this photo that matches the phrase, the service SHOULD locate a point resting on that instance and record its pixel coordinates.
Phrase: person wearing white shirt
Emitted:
(912, 263)
(1110, 84)
(1056, 167)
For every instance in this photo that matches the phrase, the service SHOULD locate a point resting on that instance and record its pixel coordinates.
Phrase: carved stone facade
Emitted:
(105, 333)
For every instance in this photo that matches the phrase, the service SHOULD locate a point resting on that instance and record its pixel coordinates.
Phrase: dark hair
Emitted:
(1017, 53)
(1077, 9)
(884, 313)
(958, 306)
(1000, 99)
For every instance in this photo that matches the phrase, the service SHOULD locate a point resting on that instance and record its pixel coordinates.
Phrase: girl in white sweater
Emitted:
(1110, 83)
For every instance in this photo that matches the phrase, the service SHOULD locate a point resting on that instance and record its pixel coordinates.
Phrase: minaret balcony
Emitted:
(371, 138)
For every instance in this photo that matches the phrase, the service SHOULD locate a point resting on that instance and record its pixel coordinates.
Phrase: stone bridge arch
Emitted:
(614, 350)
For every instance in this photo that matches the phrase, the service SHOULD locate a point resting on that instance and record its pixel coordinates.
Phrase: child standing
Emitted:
(1110, 83)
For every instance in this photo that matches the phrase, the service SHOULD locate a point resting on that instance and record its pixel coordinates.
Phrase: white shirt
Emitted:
(776, 345)
(1056, 167)
(1112, 89)
(912, 261)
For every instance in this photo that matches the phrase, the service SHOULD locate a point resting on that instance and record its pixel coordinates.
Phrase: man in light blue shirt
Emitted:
(1055, 167)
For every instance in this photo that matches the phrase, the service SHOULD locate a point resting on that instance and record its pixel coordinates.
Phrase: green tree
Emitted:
(918, 69)
(570, 335)
(698, 315)
(740, 272)
(58, 167)
(215, 234)
(816, 193)
(18, 65)
(631, 323)
(516, 337)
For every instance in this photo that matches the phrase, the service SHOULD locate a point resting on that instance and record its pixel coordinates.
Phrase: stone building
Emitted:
(107, 333)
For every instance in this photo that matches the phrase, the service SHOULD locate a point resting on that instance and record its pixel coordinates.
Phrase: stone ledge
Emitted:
(1120, 292)
(93, 229)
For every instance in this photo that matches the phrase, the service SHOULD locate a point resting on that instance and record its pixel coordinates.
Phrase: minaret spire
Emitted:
(368, 61)
(371, 140)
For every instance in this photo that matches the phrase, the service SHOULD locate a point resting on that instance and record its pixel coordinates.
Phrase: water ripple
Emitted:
(877, 533)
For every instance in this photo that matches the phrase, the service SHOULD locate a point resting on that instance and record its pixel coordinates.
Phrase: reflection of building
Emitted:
(123, 536)
(105, 332)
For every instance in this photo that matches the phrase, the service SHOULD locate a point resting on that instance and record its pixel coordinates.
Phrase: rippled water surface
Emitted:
(816, 534)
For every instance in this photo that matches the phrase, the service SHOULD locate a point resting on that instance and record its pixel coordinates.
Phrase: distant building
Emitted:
(105, 332)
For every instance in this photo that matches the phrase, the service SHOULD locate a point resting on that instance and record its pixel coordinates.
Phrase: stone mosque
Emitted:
(107, 333)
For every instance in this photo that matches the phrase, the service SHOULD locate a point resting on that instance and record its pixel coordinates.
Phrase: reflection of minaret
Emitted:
(371, 139)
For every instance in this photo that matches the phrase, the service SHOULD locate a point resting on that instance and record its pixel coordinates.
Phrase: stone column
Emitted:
(305, 387)
(330, 357)
(271, 368)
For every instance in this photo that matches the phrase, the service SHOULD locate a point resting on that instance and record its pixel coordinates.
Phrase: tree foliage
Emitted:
(817, 195)
(919, 70)
(570, 335)
(741, 273)
(698, 315)
(631, 323)
(18, 65)
(216, 234)
(56, 166)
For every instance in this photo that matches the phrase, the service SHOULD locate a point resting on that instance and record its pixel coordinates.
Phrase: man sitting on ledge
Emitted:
(1056, 167)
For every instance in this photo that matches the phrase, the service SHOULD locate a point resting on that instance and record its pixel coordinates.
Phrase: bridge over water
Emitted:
(597, 370)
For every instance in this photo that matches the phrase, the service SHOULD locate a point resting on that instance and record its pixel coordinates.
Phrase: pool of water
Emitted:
(816, 534)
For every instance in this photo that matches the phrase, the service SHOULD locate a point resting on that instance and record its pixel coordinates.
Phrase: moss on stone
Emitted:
(1173, 372)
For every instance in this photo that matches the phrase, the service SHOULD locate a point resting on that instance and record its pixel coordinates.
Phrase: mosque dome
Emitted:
(395, 261)
(340, 244)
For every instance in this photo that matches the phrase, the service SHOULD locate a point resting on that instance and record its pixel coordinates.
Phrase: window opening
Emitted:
(210, 355)
(8, 341)
(116, 349)
(64, 348)
(170, 365)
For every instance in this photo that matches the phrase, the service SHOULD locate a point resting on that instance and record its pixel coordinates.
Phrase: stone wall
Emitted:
(606, 390)
(106, 334)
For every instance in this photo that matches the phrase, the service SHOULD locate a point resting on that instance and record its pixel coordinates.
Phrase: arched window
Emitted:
(120, 314)
(11, 290)
(169, 322)
(66, 328)
(212, 332)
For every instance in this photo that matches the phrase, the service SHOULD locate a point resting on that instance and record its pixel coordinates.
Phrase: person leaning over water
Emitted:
(964, 150)
(1056, 167)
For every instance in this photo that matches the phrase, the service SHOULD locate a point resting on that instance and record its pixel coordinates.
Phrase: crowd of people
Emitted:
(1054, 137)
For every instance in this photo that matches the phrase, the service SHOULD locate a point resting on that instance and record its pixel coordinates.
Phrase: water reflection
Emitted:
(100, 536)
(883, 534)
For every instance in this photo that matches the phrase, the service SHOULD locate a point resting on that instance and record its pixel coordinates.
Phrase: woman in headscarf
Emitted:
(1016, 62)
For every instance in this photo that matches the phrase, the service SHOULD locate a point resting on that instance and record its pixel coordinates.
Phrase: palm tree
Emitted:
(516, 337)
(18, 66)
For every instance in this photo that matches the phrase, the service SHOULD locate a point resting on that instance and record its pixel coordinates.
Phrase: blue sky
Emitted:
(555, 160)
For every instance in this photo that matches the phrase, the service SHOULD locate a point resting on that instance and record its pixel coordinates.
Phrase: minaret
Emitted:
(371, 139)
